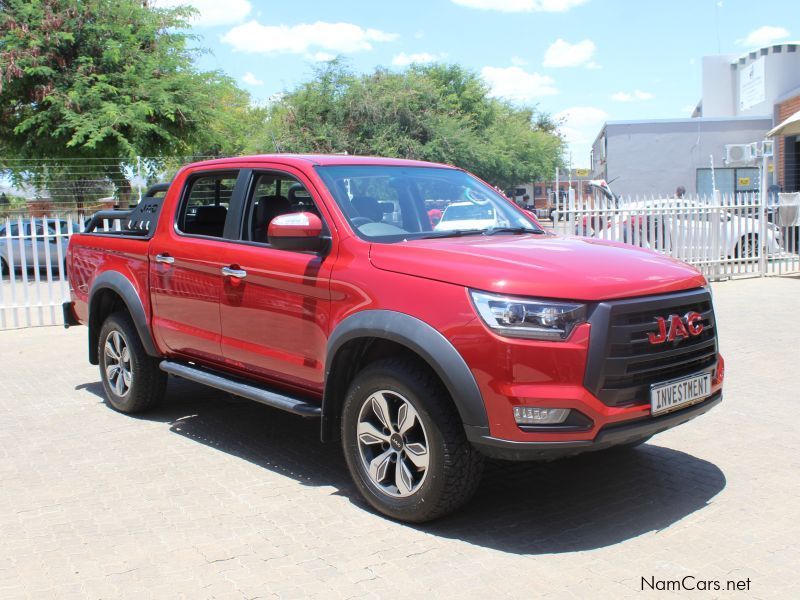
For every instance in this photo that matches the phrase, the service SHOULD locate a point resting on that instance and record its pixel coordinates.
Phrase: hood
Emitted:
(548, 266)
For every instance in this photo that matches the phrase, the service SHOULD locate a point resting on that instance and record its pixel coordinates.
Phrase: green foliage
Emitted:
(440, 113)
(93, 79)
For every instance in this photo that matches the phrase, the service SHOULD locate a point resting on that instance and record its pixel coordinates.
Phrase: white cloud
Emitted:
(521, 5)
(403, 59)
(513, 83)
(254, 38)
(321, 56)
(563, 54)
(251, 79)
(764, 36)
(518, 61)
(581, 116)
(580, 126)
(593, 65)
(212, 12)
(633, 96)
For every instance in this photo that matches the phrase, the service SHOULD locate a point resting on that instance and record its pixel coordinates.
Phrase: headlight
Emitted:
(527, 317)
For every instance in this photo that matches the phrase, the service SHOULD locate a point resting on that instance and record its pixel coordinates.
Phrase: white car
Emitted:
(683, 228)
(467, 215)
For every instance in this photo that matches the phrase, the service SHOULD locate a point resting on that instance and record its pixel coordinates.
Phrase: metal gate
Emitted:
(33, 284)
(723, 236)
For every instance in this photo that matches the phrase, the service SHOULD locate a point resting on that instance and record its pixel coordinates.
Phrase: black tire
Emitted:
(4, 270)
(146, 384)
(747, 246)
(454, 465)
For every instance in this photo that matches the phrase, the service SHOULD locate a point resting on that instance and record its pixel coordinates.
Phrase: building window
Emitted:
(728, 181)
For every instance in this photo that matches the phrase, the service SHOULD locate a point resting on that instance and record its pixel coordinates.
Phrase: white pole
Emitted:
(713, 177)
(558, 196)
(762, 215)
(139, 177)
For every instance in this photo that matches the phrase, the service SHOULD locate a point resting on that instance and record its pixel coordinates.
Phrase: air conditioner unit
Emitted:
(739, 155)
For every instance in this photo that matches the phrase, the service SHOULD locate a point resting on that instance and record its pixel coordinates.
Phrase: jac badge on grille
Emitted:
(675, 327)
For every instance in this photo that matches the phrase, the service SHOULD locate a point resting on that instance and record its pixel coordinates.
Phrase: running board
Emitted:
(245, 390)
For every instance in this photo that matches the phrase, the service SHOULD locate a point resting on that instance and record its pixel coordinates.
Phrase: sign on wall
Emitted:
(751, 85)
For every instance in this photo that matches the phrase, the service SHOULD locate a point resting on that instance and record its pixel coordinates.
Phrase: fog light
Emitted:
(532, 415)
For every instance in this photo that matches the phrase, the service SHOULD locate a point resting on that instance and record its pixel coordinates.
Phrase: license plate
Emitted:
(672, 395)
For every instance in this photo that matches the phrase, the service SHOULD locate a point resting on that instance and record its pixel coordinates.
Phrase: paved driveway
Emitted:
(213, 497)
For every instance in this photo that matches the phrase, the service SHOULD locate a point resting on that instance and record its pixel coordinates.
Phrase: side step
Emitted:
(237, 388)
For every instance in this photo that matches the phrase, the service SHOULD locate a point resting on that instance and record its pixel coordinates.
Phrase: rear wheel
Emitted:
(405, 444)
(4, 270)
(747, 247)
(131, 379)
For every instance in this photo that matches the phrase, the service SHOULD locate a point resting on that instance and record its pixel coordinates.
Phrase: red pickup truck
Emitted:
(326, 286)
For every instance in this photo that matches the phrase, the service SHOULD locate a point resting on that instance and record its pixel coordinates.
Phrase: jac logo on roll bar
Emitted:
(675, 327)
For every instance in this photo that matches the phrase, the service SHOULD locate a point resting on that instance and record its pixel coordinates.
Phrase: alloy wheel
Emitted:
(119, 370)
(392, 443)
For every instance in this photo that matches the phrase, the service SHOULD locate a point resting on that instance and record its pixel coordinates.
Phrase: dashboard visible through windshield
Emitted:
(390, 204)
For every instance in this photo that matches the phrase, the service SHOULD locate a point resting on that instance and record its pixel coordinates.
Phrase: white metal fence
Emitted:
(723, 236)
(33, 283)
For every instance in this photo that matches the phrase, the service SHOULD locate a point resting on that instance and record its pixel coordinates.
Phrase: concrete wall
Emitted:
(722, 76)
(655, 157)
(719, 86)
(781, 75)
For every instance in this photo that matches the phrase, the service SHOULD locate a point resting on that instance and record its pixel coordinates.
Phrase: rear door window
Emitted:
(206, 203)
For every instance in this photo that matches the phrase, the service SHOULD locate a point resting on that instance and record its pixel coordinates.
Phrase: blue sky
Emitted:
(585, 60)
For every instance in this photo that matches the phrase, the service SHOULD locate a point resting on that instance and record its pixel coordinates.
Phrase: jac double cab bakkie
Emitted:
(321, 286)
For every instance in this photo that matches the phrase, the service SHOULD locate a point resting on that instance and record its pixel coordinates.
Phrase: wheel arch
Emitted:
(371, 334)
(112, 291)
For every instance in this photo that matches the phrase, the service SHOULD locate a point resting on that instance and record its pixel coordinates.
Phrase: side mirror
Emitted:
(296, 231)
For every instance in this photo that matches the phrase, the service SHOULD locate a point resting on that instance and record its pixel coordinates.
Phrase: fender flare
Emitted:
(121, 285)
(419, 337)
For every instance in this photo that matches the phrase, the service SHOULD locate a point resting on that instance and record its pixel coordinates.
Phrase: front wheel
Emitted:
(131, 379)
(747, 247)
(405, 444)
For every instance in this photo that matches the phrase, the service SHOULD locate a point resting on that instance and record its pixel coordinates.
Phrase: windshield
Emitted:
(389, 204)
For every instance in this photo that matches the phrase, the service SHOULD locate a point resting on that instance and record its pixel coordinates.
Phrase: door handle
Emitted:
(165, 258)
(237, 273)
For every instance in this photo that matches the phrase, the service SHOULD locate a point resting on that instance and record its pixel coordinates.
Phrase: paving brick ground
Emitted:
(214, 497)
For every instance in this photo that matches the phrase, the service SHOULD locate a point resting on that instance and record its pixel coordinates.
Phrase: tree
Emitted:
(441, 113)
(104, 81)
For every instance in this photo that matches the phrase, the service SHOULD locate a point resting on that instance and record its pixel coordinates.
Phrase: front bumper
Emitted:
(613, 434)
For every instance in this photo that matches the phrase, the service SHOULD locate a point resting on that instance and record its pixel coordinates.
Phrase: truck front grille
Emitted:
(622, 364)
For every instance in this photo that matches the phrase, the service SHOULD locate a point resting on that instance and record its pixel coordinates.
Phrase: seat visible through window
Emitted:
(267, 208)
(209, 220)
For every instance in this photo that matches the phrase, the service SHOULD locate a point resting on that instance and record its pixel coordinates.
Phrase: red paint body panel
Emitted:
(274, 325)
(547, 266)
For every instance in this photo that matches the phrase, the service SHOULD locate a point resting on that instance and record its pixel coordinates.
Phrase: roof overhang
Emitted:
(790, 126)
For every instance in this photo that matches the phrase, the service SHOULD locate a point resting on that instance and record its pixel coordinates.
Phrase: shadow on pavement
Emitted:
(582, 503)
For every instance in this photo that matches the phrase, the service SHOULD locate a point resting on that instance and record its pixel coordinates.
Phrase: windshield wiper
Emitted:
(493, 230)
(451, 233)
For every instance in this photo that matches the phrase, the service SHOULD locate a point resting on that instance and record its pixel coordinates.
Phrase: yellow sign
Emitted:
(744, 181)
(771, 168)
(581, 172)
